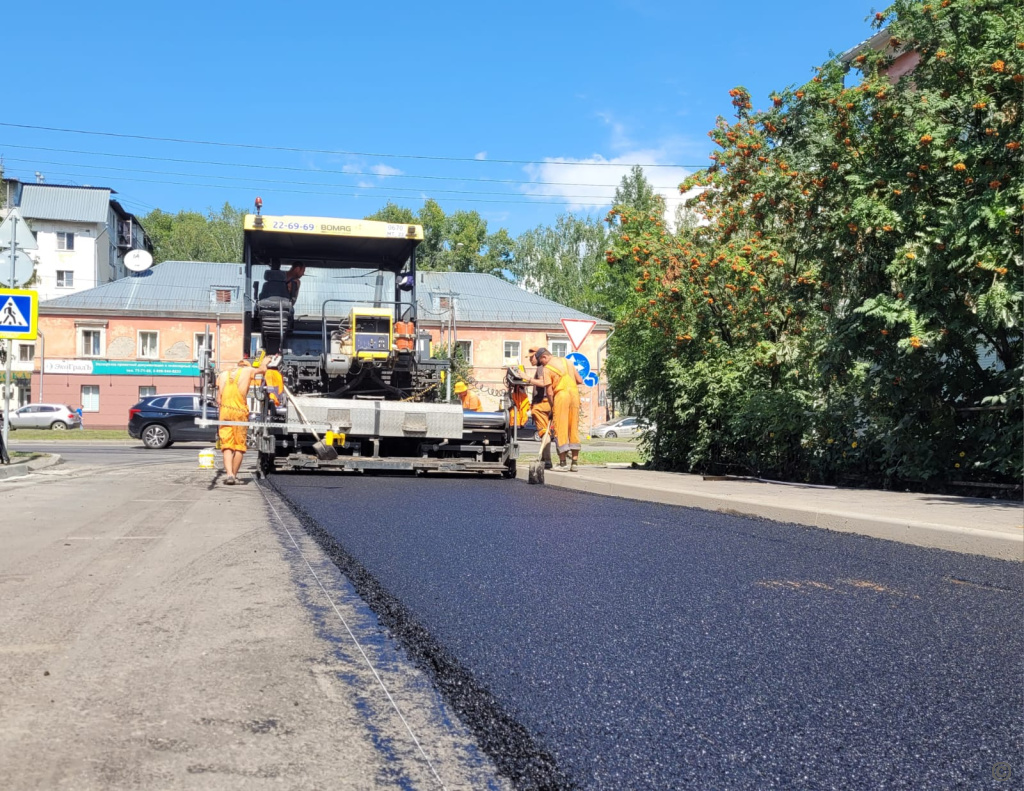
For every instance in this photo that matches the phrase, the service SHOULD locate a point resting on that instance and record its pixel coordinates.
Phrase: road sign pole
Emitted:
(10, 345)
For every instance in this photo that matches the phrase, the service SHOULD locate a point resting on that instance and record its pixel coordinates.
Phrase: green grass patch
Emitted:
(609, 457)
(69, 435)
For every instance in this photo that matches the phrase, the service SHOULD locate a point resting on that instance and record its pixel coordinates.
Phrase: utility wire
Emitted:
(260, 182)
(327, 170)
(536, 202)
(260, 147)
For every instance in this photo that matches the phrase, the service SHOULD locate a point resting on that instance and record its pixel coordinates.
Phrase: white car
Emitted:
(623, 427)
(53, 416)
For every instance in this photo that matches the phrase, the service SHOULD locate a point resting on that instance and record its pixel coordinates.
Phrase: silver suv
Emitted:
(53, 416)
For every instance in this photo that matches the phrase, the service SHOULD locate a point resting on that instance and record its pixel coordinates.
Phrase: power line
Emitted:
(335, 152)
(335, 172)
(260, 182)
(272, 190)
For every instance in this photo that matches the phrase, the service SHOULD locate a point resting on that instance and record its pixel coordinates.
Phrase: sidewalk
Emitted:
(162, 632)
(994, 528)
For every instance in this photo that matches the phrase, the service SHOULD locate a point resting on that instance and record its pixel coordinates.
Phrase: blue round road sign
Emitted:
(590, 380)
(580, 362)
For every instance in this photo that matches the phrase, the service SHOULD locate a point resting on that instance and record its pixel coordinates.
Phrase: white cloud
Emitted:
(590, 183)
(480, 155)
(364, 184)
(385, 170)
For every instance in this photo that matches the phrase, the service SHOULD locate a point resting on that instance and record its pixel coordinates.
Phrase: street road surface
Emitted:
(601, 643)
(79, 453)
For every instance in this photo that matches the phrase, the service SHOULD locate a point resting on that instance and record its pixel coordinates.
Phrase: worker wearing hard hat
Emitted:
(470, 400)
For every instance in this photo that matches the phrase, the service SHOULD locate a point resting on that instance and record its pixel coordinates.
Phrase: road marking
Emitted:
(351, 634)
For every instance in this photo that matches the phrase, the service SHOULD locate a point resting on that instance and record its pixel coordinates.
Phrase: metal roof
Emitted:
(76, 204)
(170, 287)
(188, 287)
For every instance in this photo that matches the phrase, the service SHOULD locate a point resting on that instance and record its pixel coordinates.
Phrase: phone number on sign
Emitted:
(294, 226)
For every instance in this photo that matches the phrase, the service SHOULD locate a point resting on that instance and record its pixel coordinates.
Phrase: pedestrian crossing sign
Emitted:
(19, 312)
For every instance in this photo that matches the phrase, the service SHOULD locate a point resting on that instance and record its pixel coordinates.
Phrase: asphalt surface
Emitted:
(93, 453)
(600, 643)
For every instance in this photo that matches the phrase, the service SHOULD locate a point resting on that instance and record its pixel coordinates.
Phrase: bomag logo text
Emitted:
(336, 228)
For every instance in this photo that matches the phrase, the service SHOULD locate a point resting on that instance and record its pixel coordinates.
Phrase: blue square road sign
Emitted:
(19, 313)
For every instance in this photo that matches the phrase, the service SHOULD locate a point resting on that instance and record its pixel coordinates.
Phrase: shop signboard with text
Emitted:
(120, 368)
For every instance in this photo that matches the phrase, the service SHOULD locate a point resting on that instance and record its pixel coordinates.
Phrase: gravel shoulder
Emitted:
(162, 632)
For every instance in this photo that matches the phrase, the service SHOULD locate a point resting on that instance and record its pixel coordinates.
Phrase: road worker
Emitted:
(470, 400)
(273, 382)
(540, 407)
(293, 280)
(232, 391)
(564, 395)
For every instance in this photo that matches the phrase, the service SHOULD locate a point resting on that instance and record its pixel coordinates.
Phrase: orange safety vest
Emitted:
(565, 372)
(520, 409)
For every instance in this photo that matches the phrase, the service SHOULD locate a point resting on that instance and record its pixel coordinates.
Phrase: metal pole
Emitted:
(10, 346)
(42, 363)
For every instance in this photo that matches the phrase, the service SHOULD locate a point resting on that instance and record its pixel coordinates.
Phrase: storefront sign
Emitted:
(109, 367)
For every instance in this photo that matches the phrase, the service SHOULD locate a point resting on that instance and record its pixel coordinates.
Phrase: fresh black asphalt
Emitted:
(599, 643)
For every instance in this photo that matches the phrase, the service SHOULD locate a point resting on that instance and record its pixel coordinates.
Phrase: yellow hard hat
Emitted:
(460, 387)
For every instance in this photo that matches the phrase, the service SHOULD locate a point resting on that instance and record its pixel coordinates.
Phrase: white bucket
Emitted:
(207, 457)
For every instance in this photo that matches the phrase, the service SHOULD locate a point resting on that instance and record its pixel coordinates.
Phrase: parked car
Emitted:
(622, 427)
(52, 416)
(161, 420)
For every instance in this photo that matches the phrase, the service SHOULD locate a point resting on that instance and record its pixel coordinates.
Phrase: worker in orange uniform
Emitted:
(232, 390)
(273, 383)
(564, 394)
(540, 408)
(470, 400)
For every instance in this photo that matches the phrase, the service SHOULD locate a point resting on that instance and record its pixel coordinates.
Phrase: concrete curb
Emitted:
(19, 469)
(1005, 545)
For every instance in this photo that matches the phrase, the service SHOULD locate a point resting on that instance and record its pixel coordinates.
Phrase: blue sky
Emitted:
(453, 86)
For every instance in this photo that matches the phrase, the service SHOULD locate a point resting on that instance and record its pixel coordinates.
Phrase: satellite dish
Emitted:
(138, 260)
(23, 269)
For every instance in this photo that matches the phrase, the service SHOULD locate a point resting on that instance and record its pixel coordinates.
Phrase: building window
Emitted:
(510, 353)
(26, 352)
(145, 391)
(65, 240)
(92, 342)
(558, 348)
(90, 398)
(197, 345)
(465, 349)
(149, 344)
(222, 294)
(65, 278)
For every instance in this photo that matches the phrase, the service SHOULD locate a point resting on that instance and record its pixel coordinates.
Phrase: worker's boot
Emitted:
(575, 466)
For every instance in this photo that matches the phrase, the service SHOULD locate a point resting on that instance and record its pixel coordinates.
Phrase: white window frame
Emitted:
(468, 345)
(146, 387)
(197, 340)
(31, 347)
(559, 342)
(506, 360)
(85, 403)
(65, 278)
(81, 341)
(139, 348)
(62, 240)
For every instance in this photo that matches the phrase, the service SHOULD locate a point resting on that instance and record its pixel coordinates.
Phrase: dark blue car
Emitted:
(161, 420)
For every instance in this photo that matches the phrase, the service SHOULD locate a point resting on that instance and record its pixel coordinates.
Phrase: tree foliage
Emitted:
(851, 308)
(191, 236)
(456, 242)
(564, 262)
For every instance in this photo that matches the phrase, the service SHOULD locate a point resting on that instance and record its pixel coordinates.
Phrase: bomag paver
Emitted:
(363, 392)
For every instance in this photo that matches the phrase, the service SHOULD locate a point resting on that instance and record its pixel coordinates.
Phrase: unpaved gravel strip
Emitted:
(158, 632)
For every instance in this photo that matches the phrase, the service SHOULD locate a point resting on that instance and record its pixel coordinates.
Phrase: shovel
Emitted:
(323, 451)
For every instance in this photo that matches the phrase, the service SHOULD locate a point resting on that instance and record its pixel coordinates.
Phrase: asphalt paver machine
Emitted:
(362, 389)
